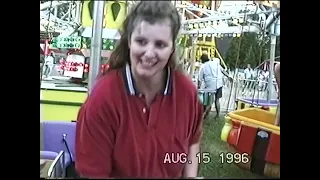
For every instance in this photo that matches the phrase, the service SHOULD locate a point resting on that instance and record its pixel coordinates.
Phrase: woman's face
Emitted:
(150, 47)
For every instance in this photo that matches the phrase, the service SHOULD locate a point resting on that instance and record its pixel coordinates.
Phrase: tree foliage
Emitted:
(253, 50)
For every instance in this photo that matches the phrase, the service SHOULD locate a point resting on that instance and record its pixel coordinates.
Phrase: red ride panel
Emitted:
(273, 152)
(233, 136)
(234, 133)
(246, 139)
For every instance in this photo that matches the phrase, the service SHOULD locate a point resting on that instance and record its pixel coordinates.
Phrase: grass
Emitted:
(212, 143)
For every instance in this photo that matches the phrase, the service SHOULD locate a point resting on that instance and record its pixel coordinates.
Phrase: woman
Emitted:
(142, 113)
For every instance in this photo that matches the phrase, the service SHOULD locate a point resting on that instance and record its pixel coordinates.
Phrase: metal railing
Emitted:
(243, 88)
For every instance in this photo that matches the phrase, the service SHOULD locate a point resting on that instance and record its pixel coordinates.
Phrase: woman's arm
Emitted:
(191, 170)
(225, 73)
(200, 77)
(95, 134)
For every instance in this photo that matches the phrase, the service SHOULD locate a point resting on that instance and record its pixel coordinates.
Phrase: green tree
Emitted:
(232, 53)
(254, 49)
(261, 49)
(250, 57)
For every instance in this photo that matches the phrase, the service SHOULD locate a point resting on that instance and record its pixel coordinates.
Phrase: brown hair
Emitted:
(152, 12)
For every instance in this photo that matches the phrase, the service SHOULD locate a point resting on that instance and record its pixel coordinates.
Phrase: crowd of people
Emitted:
(210, 80)
(255, 78)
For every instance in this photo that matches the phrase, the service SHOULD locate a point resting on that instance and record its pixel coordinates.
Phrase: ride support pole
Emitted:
(96, 43)
(193, 58)
(271, 66)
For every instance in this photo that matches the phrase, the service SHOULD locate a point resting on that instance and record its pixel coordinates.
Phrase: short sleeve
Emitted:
(95, 137)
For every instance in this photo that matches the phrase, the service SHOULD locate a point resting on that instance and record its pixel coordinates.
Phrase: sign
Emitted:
(74, 66)
(107, 44)
(79, 42)
(115, 13)
(66, 42)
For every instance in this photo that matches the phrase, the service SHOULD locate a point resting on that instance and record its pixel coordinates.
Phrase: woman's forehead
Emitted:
(158, 29)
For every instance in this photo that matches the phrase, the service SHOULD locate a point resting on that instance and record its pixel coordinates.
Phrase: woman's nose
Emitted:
(150, 52)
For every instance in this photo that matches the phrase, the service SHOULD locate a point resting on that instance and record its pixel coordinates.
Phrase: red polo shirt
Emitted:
(118, 136)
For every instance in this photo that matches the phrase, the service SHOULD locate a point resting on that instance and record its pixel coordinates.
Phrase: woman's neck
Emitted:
(151, 86)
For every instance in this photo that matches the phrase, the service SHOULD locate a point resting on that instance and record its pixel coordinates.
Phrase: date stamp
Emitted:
(236, 157)
(183, 158)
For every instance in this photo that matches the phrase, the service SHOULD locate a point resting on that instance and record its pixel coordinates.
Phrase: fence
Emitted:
(243, 88)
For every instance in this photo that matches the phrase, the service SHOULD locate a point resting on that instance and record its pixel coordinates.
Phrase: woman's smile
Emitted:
(148, 64)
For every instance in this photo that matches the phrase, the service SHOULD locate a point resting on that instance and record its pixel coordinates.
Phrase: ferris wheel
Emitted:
(65, 16)
(212, 19)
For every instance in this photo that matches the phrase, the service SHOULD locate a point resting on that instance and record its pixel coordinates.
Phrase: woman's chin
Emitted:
(145, 73)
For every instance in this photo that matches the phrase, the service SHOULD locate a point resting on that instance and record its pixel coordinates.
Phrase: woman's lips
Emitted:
(148, 64)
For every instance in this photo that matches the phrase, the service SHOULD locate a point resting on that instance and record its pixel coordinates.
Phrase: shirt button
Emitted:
(144, 110)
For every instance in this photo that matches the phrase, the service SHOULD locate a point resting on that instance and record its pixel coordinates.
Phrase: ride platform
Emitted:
(251, 134)
(243, 103)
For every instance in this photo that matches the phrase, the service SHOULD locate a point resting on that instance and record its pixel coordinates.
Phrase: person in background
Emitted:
(48, 64)
(266, 79)
(142, 110)
(41, 66)
(211, 78)
(248, 74)
(277, 75)
(261, 80)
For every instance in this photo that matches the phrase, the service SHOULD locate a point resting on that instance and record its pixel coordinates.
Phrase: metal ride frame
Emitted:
(65, 17)
(230, 19)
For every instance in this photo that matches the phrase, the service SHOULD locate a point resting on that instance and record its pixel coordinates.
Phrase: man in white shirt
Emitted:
(211, 76)
(248, 72)
(248, 75)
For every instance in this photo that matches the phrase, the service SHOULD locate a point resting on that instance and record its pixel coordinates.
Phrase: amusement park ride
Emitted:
(68, 27)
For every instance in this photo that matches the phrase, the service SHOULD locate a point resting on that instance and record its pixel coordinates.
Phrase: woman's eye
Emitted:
(160, 45)
(141, 42)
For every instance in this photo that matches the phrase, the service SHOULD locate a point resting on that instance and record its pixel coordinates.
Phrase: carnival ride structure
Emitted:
(203, 21)
(251, 129)
(60, 93)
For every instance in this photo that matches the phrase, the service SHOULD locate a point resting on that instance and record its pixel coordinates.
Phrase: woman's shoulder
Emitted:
(105, 85)
(184, 83)
(109, 76)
